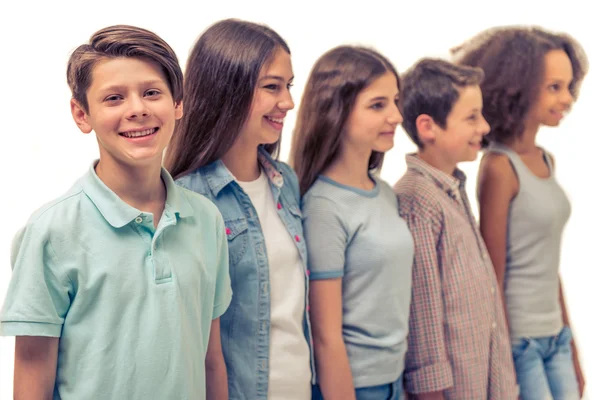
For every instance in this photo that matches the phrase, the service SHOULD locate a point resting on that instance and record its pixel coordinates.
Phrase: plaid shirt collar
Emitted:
(450, 184)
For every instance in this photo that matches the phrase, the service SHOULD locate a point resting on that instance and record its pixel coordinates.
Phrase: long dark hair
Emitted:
(512, 59)
(335, 81)
(219, 84)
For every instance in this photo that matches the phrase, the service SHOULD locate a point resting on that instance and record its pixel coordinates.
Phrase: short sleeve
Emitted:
(39, 294)
(223, 292)
(326, 238)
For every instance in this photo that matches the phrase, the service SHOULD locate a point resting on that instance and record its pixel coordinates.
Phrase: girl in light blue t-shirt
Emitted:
(360, 252)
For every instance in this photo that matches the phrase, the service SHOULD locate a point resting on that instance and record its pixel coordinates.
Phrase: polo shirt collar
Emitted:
(117, 212)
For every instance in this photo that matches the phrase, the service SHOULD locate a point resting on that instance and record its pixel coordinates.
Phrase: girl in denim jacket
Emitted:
(237, 93)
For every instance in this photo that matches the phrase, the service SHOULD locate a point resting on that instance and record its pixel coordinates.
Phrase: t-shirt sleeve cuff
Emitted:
(30, 329)
(220, 307)
(318, 275)
(431, 378)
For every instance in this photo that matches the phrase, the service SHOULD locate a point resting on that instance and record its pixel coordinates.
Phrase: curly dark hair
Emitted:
(512, 59)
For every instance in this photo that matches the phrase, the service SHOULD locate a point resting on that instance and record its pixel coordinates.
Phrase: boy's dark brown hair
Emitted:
(513, 61)
(220, 81)
(334, 83)
(121, 41)
(431, 87)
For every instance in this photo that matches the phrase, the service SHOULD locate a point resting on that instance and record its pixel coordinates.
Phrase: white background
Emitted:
(43, 152)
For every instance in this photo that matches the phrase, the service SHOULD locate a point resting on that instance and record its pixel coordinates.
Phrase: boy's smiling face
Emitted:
(131, 110)
(461, 139)
(465, 126)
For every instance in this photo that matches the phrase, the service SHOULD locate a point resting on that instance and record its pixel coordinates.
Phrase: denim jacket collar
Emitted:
(218, 176)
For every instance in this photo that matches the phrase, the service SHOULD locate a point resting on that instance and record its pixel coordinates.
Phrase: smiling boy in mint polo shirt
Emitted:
(118, 285)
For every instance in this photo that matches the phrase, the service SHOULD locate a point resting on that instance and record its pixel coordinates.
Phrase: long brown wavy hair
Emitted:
(219, 83)
(512, 59)
(335, 81)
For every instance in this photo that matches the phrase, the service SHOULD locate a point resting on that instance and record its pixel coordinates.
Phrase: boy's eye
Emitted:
(377, 106)
(113, 97)
(152, 92)
(272, 86)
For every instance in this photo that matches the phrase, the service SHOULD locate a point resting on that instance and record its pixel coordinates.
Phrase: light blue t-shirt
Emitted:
(359, 236)
(132, 304)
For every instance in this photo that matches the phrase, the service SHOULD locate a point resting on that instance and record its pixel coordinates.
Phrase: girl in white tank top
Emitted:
(523, 209)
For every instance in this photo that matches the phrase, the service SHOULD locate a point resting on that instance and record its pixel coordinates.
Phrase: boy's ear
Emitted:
(80, 117)
(426, 128)
(179, 110)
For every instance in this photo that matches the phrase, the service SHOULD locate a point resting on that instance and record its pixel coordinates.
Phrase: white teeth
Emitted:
(278, 120)
(138, 133)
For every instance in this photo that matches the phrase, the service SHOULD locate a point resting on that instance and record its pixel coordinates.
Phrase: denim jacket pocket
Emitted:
(237, 238)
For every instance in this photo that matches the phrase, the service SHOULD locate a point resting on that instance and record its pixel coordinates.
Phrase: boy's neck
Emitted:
(351, 169)
(437, 161)
(141, 188)
(242, 161)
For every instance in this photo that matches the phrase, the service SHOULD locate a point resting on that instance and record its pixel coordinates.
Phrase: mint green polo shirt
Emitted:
(132, 305)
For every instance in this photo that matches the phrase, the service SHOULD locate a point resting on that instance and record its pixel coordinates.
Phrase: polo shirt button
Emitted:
(139, 220)
(494, 325)
(493, 290)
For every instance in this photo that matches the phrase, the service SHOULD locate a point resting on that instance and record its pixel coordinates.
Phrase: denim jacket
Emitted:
(245, 326)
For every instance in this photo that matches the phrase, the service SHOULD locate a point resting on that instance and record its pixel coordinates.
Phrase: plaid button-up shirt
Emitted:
(458, 341)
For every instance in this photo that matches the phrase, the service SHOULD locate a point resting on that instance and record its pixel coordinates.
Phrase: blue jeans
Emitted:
(388, 391)
(545, 368)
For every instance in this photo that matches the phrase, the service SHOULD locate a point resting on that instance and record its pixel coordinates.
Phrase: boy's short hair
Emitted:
(121, 41)
(431, 87)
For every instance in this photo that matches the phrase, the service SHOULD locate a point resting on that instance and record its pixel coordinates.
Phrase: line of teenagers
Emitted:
(208, 296)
